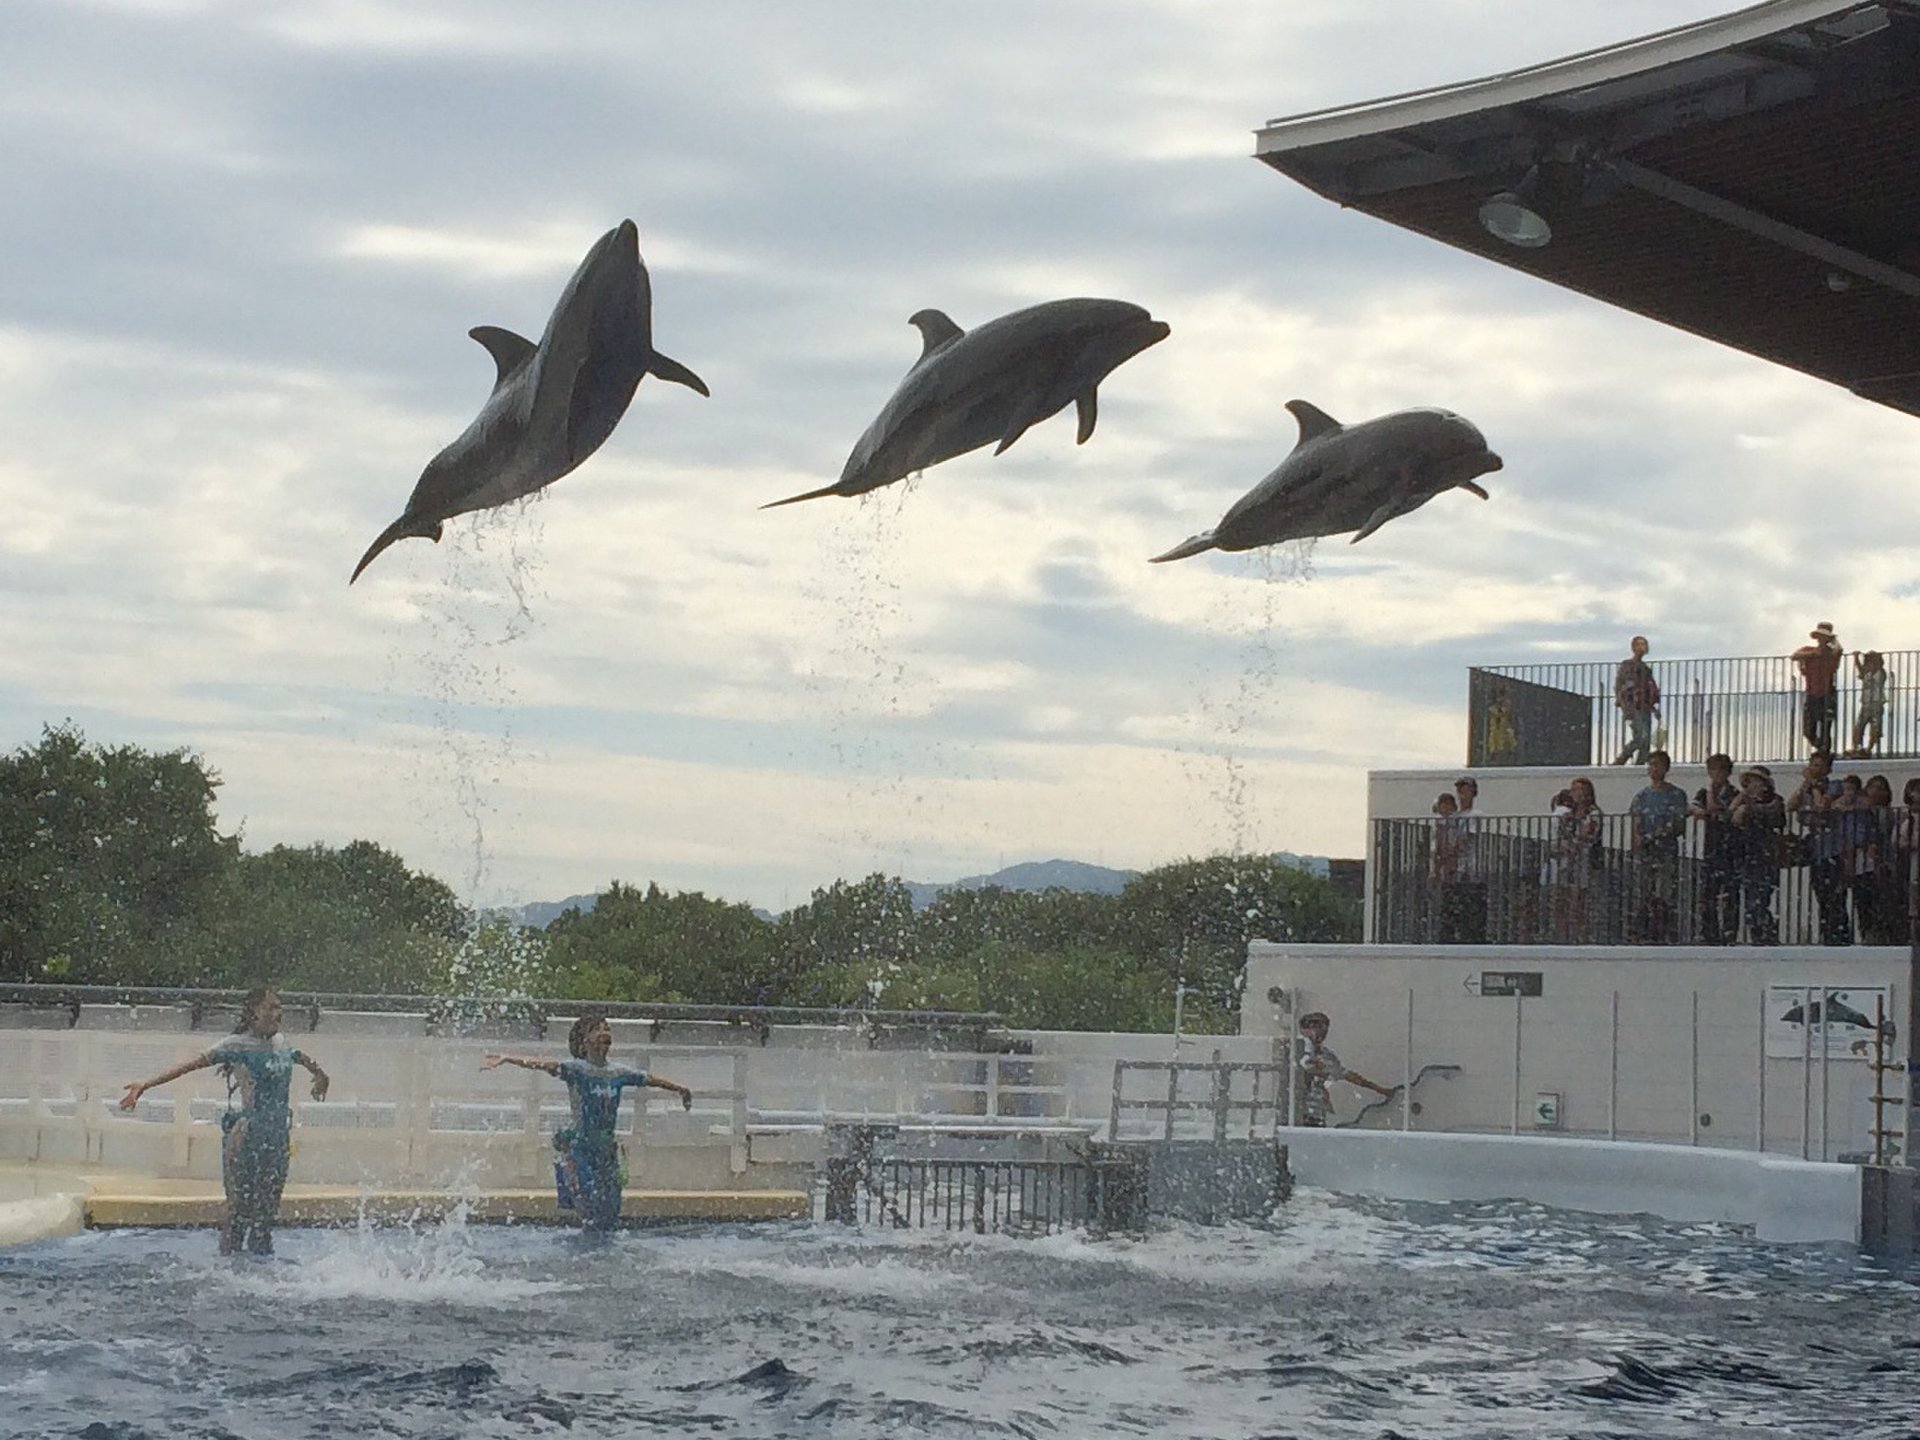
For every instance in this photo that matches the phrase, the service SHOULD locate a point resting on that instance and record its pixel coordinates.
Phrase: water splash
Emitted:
(865, 681)
(1232, 720)
(457, 662)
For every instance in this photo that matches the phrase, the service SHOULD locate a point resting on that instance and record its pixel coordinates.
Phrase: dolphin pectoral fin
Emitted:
(401, 529)
(669, 369)
(1314, 422)
(1089, 407)
(1469, 485)
(1023, 420)
(509, 351)
(1387, 511)
(1193, 545)
(796, 499)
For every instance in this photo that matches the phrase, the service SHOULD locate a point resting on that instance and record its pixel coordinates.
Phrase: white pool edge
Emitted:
(41, 1217)
(1787, 1200)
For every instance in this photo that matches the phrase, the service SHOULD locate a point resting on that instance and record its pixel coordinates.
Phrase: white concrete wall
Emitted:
(411, 1108)
(1782, 1199)
(1566, 1043)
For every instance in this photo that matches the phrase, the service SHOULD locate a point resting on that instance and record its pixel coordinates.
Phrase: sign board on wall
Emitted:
(1505, 983)
(1797, 1014)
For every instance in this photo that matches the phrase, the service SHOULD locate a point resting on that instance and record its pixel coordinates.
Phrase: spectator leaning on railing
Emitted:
(1463, 901)
(1659, 815)
(1759, 821)
(1819, 665)
(1813, 803)
(1577, 860)
(1719, 854)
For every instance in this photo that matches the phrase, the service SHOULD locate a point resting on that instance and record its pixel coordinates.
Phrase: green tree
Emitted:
(843, 945)
(1193, 920)
(654, 944)
(351, 919)
(103, 853)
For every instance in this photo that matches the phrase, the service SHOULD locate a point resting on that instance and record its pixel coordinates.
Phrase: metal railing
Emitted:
(1530, 880)
(1101, 1187)
(1751, 708)
(448, 1013)
(1225, 1096)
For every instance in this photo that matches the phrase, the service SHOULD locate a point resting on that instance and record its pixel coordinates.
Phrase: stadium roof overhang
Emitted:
(1753, 178)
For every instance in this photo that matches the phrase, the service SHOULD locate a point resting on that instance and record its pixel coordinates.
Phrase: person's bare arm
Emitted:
(1354, 1077)
(320, 1080)
(140, 1087)
(661, 1083)
(525, 1062)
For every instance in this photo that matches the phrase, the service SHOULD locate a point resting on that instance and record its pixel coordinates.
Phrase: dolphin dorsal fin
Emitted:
(935, 328)
(509, 351)
(1314, 422)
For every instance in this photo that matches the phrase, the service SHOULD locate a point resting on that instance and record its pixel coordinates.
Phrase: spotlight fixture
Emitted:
(1515, 216)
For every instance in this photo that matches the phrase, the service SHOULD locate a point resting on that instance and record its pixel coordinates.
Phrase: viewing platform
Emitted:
(1513, 870)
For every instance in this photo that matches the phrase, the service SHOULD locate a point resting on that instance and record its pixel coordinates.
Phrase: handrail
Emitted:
(534, 1008)
(1388, 1099)
(1752, 707)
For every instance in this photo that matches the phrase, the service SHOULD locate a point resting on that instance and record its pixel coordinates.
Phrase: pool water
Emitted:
(1340, 1318)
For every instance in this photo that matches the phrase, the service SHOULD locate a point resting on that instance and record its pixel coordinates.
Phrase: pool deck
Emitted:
(38, 1202)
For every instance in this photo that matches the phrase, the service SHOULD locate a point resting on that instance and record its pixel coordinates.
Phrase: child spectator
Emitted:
(1874, 680)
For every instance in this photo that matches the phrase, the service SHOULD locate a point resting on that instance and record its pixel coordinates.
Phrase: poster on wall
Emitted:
(1798, 1014)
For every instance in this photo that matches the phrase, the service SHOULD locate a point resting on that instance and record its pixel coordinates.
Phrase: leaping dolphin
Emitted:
(553, 404)
(1351, 477)
(973, 387)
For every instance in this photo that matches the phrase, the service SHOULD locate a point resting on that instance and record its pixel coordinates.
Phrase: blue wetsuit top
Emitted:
(263, 1064)
(595, 1093)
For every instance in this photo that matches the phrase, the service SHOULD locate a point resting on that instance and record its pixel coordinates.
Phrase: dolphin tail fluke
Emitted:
(403, 528)
(796, 499)
(1193, 545)
(669, 369)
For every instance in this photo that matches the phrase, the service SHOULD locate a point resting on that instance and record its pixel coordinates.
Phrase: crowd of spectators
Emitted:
(1725, 851)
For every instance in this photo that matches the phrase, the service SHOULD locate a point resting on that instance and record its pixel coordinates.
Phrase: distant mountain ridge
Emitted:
(1028, 875)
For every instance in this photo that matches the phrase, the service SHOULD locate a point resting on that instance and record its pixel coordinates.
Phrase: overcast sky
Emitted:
(241, 244)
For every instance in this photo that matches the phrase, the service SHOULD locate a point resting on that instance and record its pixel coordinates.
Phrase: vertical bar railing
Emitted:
(1748, 706)
(1527, 879)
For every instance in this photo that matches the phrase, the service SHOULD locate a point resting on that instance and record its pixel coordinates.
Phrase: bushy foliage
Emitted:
(112, 871)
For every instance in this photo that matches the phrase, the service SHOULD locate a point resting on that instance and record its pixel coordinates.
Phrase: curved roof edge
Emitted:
(1591, 67)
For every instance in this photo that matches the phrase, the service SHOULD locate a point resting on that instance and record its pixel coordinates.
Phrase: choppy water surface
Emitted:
(1343, 1318)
